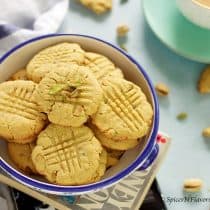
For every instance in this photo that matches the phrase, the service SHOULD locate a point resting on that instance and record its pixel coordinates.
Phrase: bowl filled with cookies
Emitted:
(77, 114)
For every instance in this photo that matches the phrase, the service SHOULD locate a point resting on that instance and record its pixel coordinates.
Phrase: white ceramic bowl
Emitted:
(139, 157)
(195, 12)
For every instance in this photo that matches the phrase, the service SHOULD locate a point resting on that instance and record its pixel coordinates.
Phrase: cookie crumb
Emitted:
(99, 6)
(122, 30)
(182, 116)
(204, 81)
(162, 89)
(192, 185)
(206, 132)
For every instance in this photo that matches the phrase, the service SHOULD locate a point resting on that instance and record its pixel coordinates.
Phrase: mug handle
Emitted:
(151, 158)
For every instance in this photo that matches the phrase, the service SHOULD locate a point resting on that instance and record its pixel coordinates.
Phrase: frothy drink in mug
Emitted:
(197, 11)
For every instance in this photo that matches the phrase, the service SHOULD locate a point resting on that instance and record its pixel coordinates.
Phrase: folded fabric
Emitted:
(23, 19)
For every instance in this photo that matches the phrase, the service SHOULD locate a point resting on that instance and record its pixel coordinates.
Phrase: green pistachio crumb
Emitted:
(57, 88)
(182, 116)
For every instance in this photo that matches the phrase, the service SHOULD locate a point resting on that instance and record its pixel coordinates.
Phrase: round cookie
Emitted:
(67, 155)
(102, 166)
(62, 52)
(101, 66)
(69, 95)
(127, 107)
(20, 118)
(20, 154)
(19, 75)
(115, 144)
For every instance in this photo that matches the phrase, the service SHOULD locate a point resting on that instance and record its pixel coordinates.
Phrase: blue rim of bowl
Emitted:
(108, 181)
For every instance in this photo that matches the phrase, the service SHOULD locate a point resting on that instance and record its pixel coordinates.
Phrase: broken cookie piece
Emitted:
(98, 6)
(204, 81)
(206, 132)
(162, 89)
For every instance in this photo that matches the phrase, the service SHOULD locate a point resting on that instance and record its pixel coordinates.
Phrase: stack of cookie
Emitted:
(70, 115)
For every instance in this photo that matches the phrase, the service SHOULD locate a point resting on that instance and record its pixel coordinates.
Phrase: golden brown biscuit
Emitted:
(97, 6)
(19, 75)
(122, 30)
(162, 89)
(101, 66)
(62, 52)
(20, 154)
(125, 112)
(114, 144)
(69, 95)
(204, 81)
(102, 166)
(67, 155)
(20, 118)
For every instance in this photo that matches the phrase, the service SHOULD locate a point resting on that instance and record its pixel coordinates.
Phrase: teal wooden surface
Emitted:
(189, 154)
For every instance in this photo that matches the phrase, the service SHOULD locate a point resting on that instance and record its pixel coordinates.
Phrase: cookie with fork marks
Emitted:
(67, 155)
(69, 94)
(60, 53)
(125, 112)
(101, 66)
(20, 118)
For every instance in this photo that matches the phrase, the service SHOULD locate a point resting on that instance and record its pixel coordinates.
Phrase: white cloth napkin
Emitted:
(24, 19)
(21, 20)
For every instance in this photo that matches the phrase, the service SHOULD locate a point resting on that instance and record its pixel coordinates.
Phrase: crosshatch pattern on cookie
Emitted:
(101, 66)
(128, 108)
(19, 103)
(18, 110)
(67, 155)
(60, 53)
